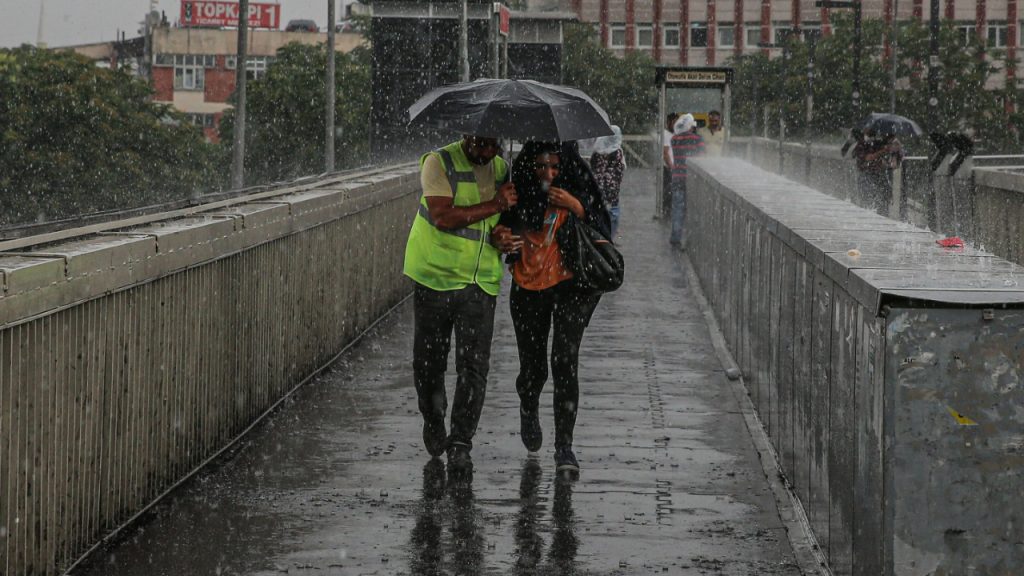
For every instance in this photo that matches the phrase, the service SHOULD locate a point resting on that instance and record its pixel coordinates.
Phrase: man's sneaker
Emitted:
(565, 460)
(435, 437)
(459, 460)
(529, 430)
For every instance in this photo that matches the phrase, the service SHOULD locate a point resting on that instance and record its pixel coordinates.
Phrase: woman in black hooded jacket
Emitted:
(554, 184)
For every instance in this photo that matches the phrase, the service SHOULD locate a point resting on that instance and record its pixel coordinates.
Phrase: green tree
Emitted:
(778, 85)
(285, 114)
(624, 87)
(76, 139)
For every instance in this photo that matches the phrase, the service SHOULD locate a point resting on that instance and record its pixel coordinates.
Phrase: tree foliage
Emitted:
(76, 139)
(284, 130)
(779, 85)
(624, 87)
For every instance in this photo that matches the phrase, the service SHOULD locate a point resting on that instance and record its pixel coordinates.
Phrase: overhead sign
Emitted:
(697, 76)
(218, 13)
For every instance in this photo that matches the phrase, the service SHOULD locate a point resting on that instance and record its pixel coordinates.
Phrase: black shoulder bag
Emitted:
(596, 264)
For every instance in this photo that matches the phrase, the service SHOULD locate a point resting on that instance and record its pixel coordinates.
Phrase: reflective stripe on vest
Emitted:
(454, 178)
(467, 233)
(449, 169)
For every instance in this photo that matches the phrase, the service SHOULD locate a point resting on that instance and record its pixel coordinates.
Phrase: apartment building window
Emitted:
(998, 35)
(699, 35)
(783, 33)
(811, 32)
(966, 34)
(200, 120)
(726, 36)
(753, 34)
(670, 36)
(644, 35)
(190, 70)
(618, 36)
(255, 66)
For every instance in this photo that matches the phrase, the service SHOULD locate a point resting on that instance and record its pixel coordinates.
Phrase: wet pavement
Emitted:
(337, 482)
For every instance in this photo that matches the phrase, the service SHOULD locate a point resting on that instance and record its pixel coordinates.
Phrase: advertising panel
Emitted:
(219, 13)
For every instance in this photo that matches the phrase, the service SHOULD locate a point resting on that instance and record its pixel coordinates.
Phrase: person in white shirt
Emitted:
(666, 167)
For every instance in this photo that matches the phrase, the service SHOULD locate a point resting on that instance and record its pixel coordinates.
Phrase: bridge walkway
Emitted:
(337, 483)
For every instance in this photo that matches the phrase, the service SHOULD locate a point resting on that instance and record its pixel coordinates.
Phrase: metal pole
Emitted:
(329, 87)
(856, 59)
(495, 42)
(238, 137)
(933, 68)
(504, 57)
(464, 41)
(753, 118)
(810, 108)
(895, 54)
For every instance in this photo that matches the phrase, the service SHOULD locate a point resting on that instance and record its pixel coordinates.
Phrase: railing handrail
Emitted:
(88, 230)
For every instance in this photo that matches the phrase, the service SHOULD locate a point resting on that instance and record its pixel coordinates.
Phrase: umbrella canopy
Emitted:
(514, 109)
(890, 124)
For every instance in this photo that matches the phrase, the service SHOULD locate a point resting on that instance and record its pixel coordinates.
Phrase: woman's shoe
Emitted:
(565, 460)
(530, 430)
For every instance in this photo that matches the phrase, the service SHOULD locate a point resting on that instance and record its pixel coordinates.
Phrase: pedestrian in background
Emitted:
(877, 158)
(453, 255)
(714, 134)
(686, 143)
(666, 158)
(609, 164)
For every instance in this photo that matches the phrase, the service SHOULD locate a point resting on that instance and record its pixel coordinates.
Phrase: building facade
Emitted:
(708, 32)
(194, 68)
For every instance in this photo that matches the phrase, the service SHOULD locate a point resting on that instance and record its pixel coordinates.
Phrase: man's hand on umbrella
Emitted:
(506, 196)
(504, 240)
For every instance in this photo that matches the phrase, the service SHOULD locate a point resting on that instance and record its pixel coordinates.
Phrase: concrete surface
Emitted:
(337, 482)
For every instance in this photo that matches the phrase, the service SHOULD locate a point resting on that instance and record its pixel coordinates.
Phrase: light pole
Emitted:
(238, 137)
(811, 43)
(330, 92)
(464, 42)
(895, 55)
(933, 68)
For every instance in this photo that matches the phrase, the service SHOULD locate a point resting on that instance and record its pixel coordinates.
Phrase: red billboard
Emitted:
(218, 13)
(504, 17)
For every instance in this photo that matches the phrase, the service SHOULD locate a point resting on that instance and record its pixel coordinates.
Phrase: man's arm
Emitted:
(446, 215)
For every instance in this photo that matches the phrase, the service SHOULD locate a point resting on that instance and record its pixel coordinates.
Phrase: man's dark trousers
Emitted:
(470, 313)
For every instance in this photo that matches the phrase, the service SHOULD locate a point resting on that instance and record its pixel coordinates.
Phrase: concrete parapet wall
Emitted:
(999, 211)
(983, 203)
(131, 355)
(887, 371)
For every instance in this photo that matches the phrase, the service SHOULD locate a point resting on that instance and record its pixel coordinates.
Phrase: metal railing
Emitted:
(133, 351)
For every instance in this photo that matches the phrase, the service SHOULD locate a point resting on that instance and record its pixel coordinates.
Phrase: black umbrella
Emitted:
(882, 124)
(514, 109)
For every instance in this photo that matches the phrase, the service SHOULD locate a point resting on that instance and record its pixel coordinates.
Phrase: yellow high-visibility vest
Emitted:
(453, 259)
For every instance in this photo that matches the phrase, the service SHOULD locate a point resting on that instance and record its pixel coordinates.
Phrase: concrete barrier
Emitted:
(887, 371)
(131, 352)
(981, 203)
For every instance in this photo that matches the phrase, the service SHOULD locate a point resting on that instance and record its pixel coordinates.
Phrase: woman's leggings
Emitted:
(533, 313)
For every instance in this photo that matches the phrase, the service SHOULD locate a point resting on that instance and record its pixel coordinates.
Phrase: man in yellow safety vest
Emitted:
(454, 256)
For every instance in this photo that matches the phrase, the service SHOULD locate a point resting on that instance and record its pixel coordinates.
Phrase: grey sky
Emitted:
(83, 21)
